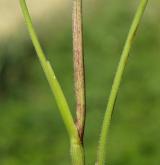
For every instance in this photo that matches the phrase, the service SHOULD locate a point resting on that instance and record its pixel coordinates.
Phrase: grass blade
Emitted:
(117, 81)
(50, 75)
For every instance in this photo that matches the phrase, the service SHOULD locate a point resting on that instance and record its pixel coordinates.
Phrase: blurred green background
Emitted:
(31, 130)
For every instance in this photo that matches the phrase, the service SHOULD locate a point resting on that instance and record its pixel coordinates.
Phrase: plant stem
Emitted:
(77, 153)
(49, 73)
(117, 81)
(78, 59)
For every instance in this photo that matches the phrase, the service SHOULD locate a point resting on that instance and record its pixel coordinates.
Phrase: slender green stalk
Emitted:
(78, 59)
(117, 81)
(77, 153)
(49, 73)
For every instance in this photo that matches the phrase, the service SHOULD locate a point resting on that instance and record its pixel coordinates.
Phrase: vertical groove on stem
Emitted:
(117, 81)
(77, 152)
(79, 73)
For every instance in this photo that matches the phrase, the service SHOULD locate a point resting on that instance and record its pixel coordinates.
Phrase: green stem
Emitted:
(49, 73)
(117, 81)
(77, 153)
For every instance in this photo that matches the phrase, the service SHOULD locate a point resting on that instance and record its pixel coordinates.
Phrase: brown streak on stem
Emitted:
(78, 59)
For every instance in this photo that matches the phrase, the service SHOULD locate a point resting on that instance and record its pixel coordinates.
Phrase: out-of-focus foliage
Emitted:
(31, 131)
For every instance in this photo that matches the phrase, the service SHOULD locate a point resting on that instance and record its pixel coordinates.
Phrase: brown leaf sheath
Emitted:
(78, 59)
